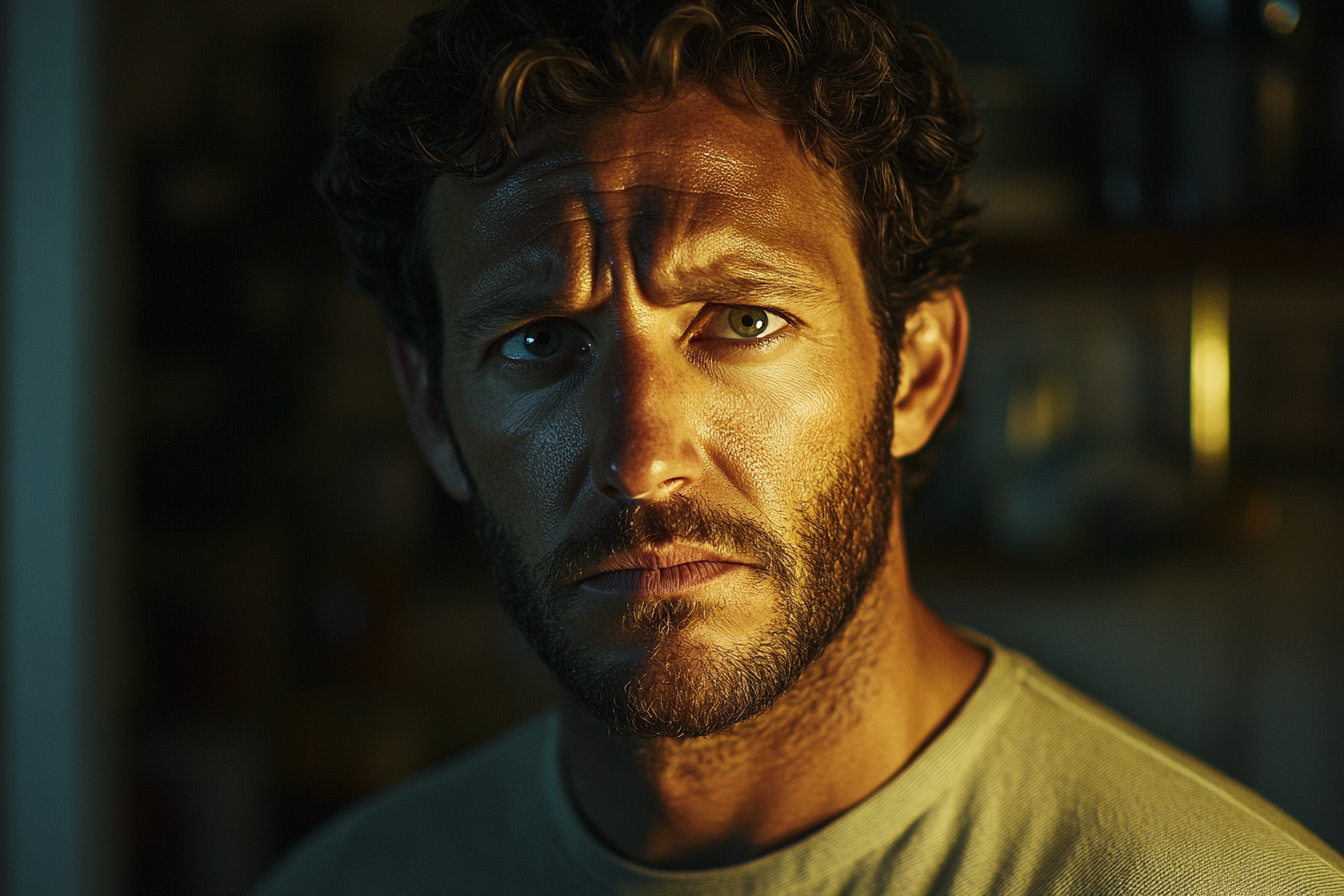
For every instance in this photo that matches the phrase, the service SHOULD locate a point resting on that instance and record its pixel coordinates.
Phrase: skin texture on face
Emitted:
(666, 397)
(599, 380)
(673, 683)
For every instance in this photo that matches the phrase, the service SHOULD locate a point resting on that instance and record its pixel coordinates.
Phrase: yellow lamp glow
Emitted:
(1210, 376)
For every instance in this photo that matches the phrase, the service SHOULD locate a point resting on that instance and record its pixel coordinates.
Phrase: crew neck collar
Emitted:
(880, 821)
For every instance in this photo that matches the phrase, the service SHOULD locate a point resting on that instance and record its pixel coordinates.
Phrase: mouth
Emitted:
(658, 573)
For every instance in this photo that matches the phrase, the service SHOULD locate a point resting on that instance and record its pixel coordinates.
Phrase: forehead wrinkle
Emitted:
(587, 207)
(579, 241)
(597, 167)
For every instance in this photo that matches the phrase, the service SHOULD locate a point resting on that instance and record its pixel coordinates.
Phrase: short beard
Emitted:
(819, 581)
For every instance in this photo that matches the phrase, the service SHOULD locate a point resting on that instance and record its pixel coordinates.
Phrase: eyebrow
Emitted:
(738, 285)
(720, 284)
(494, 313)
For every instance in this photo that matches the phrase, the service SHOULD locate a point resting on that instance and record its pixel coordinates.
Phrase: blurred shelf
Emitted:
(1146, 250)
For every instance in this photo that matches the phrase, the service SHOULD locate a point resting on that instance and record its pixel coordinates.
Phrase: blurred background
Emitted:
(237, 601)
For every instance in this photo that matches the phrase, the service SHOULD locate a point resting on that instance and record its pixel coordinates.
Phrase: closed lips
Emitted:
(671, 579)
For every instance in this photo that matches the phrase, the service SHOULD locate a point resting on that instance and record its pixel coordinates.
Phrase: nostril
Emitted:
(643, 457)
(619, 485)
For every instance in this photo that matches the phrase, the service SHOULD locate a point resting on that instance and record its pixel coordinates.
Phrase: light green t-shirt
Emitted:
(1032, 788)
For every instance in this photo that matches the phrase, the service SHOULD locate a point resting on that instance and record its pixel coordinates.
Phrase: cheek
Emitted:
(779, 438)
(526, 457)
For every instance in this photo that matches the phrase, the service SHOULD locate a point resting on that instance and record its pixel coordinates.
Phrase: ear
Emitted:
(429, 421)
(932, 355)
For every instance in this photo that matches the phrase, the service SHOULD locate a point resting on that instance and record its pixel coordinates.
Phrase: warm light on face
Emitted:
(1210, 375)
(663, 351)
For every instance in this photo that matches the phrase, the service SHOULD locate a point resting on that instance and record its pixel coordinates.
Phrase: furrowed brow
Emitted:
(755, 286)
(762, 287)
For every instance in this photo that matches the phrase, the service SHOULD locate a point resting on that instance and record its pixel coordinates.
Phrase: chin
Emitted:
(683, 686)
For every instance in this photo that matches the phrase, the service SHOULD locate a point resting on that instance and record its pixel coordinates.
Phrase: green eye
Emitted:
(748, 321)
(744, 322)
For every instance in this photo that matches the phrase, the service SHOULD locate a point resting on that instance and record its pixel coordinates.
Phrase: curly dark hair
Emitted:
(874, 97)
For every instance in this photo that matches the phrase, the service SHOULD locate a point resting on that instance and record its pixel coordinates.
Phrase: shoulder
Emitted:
(435, 832)
(1144, 813)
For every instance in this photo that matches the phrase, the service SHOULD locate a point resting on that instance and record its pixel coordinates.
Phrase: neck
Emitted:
(883, 688)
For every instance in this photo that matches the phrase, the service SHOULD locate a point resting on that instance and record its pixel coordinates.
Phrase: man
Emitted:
(672, 290)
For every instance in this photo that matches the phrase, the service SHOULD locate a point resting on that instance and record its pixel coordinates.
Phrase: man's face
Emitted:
(670, 395)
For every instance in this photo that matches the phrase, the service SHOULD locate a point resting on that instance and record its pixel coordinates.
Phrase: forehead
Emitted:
(655, 187)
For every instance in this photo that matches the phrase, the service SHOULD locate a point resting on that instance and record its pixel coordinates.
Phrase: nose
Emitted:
(645, 448)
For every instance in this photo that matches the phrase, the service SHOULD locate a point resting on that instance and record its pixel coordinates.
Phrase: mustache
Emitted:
(676, 518)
